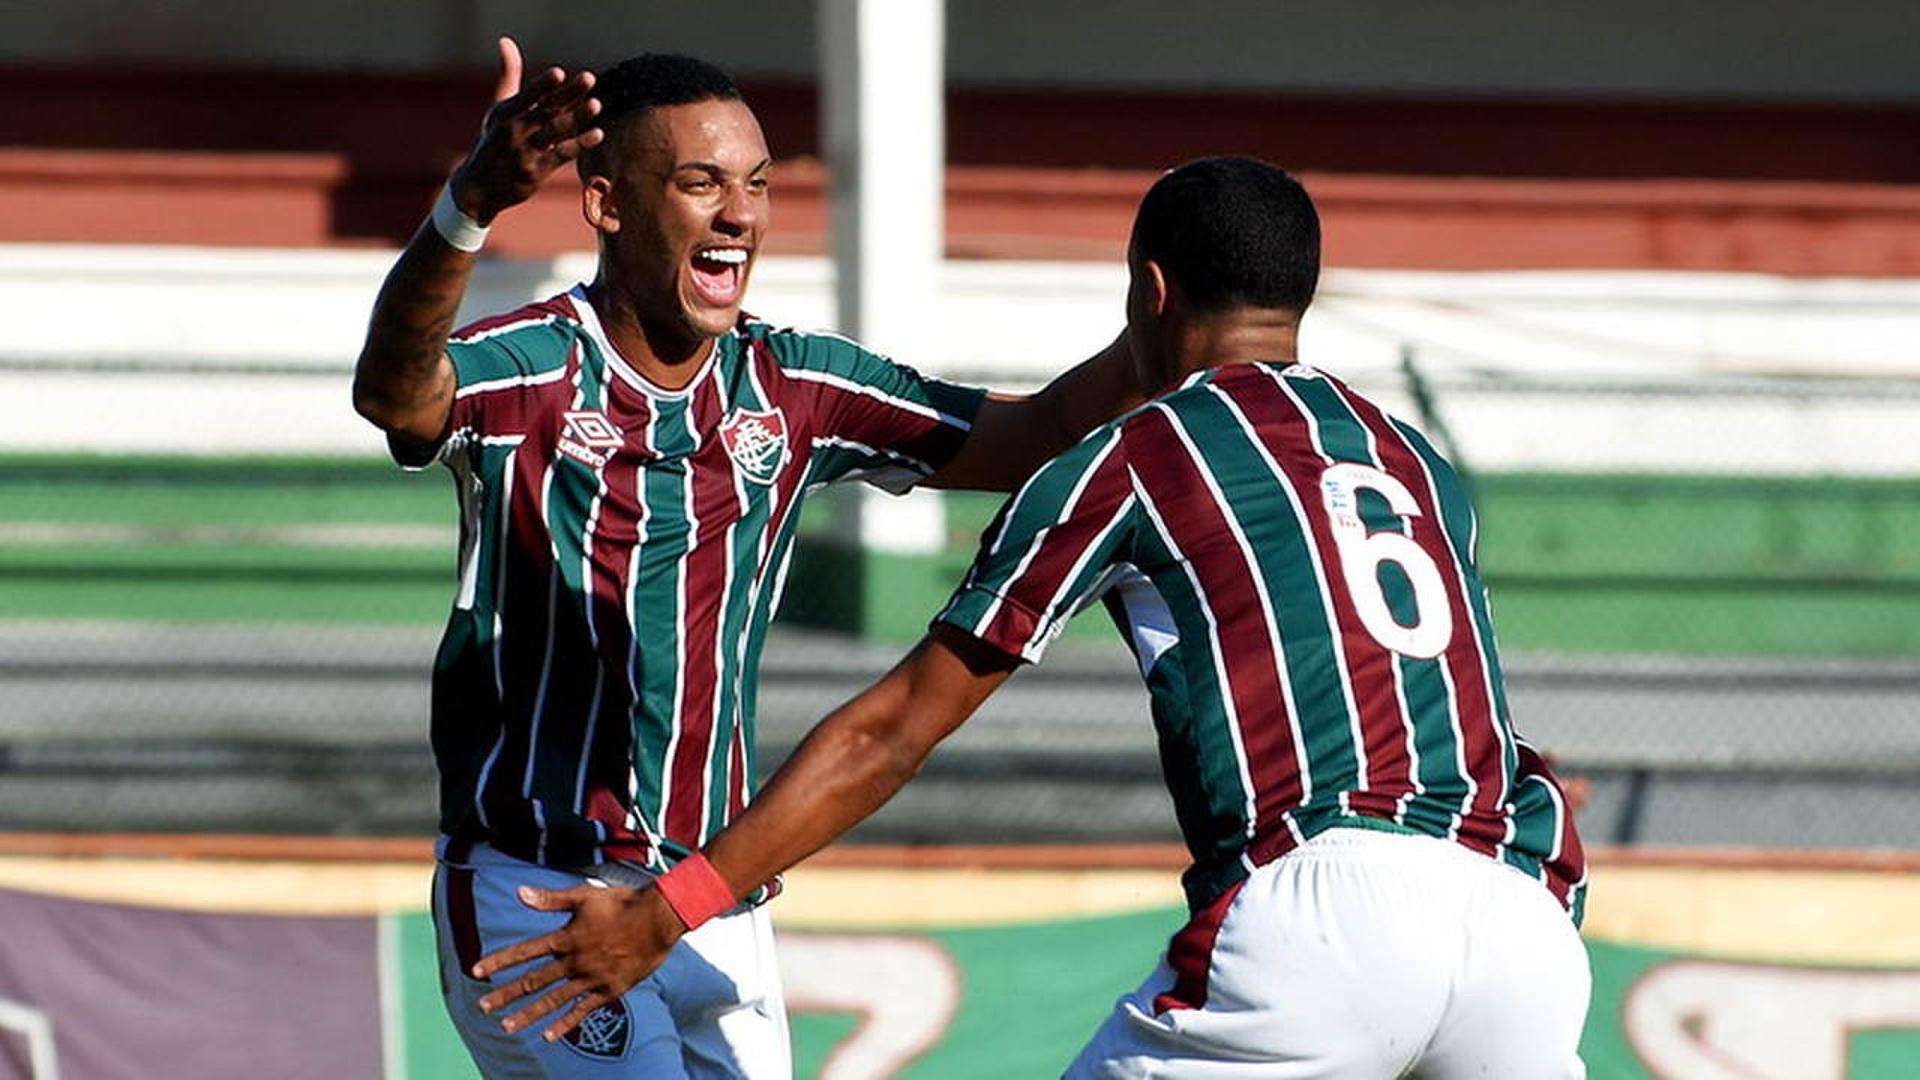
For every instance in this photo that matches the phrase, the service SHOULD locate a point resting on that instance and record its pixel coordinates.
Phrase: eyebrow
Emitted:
(716, 167)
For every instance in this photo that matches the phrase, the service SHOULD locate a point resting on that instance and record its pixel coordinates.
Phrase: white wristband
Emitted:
(459, 231)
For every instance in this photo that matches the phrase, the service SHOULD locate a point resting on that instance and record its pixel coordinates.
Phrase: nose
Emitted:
(742, 210)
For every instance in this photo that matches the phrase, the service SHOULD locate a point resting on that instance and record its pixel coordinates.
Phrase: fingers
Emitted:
(568, 106)
(509, 82)
(554, 899)
(554, 944)
(566, 150)
(564, 120)
(541, 899)
(527, 135)
(549, 1003)
(582, 1009)
(549, 93)
(553, 109)
(531, 982)
(534, 97)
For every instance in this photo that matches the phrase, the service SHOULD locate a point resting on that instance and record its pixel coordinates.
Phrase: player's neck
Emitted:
(666, 358)
(1238, 337)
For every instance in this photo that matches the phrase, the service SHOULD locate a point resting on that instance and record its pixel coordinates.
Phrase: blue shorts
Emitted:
(713, 1011)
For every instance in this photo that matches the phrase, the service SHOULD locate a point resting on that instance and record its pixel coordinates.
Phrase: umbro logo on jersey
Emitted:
(757, 443)
(589, 437)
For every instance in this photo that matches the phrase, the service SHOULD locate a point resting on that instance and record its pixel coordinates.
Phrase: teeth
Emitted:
(732, 256)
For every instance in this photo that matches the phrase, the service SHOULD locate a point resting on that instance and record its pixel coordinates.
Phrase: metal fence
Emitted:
(1725, 656)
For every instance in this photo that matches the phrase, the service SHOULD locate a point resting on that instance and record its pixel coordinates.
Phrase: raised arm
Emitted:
(403, 381)
(1012, 436)
(845, 769)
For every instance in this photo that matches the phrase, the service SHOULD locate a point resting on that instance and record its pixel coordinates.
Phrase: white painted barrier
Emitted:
(118, 349)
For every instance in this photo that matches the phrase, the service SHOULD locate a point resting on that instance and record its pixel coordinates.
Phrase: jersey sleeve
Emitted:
(878, 420)
(499, 366)
(1048, 552)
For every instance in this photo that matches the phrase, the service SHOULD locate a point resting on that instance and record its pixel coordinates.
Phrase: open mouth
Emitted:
(719, 274)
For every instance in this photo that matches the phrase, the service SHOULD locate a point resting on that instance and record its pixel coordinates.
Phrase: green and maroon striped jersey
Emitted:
(1294, 571)
(622, 550)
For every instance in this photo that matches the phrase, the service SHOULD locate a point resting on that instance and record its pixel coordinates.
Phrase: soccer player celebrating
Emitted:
(631, 456)
(1385, 878)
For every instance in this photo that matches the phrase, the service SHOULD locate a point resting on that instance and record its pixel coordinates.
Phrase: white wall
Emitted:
(118, 349)
(1860, 50)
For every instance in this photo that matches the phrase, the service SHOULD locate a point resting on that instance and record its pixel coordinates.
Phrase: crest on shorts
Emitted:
(605, 1033)
(757, 442)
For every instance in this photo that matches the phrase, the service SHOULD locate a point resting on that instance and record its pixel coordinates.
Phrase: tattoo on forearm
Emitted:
(412, 318)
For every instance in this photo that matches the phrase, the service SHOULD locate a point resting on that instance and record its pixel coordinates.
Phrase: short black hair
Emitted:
(631, 87)
(1232, 232)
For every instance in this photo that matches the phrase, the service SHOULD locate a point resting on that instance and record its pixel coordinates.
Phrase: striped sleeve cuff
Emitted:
(1000, 621)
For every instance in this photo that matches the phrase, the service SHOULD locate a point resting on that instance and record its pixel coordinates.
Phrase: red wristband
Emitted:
(694, 890)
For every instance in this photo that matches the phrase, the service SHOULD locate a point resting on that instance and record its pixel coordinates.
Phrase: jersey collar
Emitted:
(627, 373)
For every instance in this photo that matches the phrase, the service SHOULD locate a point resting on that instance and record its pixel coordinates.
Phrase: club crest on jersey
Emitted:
(757, 443)
(589, 437)
(605, 1032)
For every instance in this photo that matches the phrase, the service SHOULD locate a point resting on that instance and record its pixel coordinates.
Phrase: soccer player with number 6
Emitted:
(1386, 880)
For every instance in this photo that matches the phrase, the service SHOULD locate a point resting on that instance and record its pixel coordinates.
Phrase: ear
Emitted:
(598, 205)
(1160, 287)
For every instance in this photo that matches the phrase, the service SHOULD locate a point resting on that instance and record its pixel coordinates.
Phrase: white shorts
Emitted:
(713, 1011)
(1361, 954)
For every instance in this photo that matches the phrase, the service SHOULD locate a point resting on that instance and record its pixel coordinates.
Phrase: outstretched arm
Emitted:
(1013, 436)
(859, 756)
(845, 769)
(404, 382)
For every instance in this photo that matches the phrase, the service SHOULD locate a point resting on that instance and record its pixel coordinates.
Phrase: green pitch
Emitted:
(1813, 566)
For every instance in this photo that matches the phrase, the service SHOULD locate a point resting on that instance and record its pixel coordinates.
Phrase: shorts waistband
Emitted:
(480, 853)
(1376, 824)
(1349, 837)
(1350, 834)
(621, 874)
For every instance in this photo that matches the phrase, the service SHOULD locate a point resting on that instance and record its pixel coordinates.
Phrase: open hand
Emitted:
(528, 133)
(616, 938)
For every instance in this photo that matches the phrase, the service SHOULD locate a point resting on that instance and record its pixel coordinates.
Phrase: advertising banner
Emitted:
(92, 989)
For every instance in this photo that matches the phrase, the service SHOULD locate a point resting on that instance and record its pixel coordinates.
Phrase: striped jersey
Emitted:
(622, 550)
(1294, 571)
